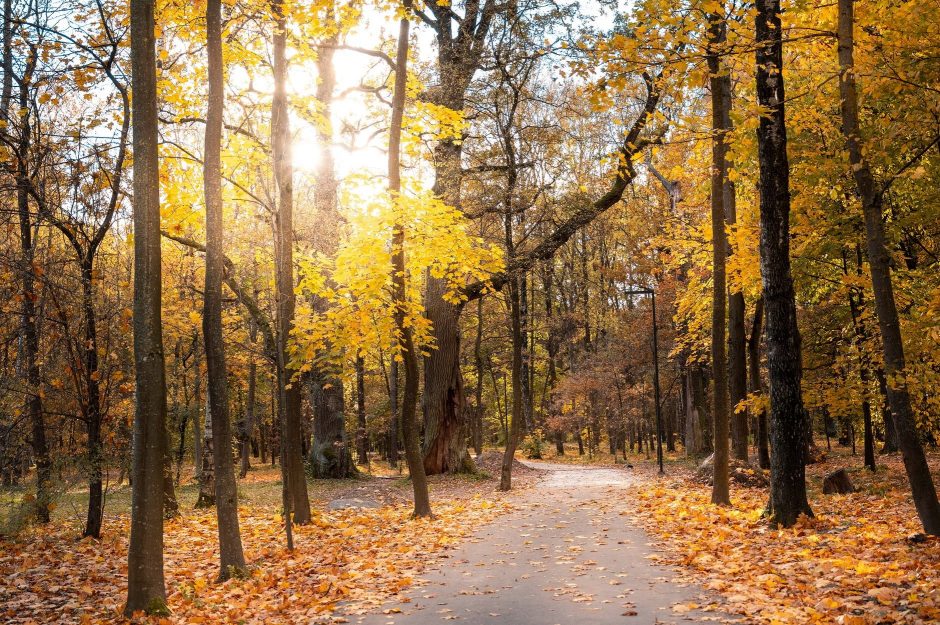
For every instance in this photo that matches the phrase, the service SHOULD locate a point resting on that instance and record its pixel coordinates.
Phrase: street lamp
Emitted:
(659, 411)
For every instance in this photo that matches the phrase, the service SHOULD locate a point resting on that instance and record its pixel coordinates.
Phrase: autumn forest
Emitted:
(498, 311)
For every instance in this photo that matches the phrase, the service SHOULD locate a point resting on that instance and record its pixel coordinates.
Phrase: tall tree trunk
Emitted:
(29, 323)
(856, 306)
(197, 418)
(753, 348)
(333, 452)
(517, 414)
(408, 353)
(721, 192)
(787, 413)
(146, 590)
(459, 53)
(915, 462)
(478, 404)
(93, 398)
(292, 433)
(231, 555)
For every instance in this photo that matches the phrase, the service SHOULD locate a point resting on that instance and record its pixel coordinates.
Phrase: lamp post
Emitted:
(659, 411)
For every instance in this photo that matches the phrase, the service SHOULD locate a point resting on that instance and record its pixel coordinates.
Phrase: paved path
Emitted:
(565, 556)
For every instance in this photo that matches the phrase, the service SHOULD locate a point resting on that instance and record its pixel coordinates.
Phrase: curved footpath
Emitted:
(566, 555)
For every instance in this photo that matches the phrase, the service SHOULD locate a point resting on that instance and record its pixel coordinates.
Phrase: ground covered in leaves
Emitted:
(346, 561)
(860, 561)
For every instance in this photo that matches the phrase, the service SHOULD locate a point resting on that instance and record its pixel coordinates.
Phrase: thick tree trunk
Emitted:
(292, 433)
(787, 414)
(915, 462)
(409, 356)
(332, 457)
(445, 427)
(231, 555)
(721, 195)
(146, 590)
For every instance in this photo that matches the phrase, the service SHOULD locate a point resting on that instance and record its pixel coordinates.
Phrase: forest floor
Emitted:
(577, 540)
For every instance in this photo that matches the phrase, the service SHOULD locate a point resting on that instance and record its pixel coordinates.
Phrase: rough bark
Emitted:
(146, 589)
(879, 261)
(332, 457)
(460, 45)
(231, 555)
(29, 323)
(292, 433)
(721, 192)
(787, 413)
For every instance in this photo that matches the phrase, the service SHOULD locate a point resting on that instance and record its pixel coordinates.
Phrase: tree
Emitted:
(407, 351)
(788, 418)
(722, 201)
(872, 197)
(146, 589)
(284, 260)
(232, 558)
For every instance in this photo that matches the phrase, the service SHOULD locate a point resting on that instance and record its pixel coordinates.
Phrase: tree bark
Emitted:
(753, 348)
(362, 435)
(231, 555)
(146, 590)
(29, 323)
(915, 462)
(477, 429)
(332, 457)
(292, 433)
(787, 413)
(408, 354)
(721, 194)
